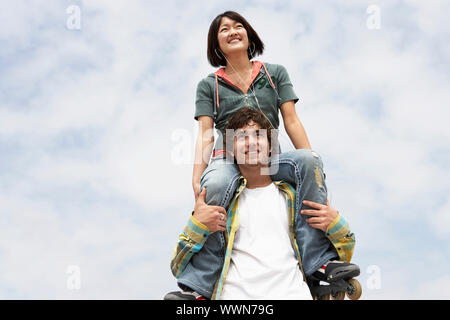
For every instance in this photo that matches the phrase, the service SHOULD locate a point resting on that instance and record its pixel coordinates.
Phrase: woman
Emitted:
(232, 42)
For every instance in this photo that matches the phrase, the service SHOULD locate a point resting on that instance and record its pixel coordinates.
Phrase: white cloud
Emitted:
(87, 119)
(440, 219)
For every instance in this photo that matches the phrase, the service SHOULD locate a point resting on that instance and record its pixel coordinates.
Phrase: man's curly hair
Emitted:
(241, 118)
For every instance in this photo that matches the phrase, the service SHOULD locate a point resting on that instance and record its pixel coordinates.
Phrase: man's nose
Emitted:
(252, 140)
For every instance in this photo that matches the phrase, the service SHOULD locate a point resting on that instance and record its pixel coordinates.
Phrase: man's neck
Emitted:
(254, 177)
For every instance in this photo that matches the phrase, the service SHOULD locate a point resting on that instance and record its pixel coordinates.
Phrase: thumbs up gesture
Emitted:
(214, 217)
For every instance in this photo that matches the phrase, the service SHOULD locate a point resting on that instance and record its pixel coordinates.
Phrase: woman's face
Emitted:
(232, 36)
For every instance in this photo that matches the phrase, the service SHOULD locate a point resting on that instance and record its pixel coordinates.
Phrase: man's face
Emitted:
(251, 145)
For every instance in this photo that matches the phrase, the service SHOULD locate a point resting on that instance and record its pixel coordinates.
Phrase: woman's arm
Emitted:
(293, 126)
(203, 149)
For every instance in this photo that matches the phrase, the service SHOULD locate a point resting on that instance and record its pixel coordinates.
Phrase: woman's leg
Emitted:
(220, 179)
(303, 169)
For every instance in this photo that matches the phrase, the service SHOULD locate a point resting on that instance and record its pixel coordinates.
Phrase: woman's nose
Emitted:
(233, 31)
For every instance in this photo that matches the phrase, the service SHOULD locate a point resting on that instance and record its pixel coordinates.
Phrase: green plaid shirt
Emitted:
(195, 234)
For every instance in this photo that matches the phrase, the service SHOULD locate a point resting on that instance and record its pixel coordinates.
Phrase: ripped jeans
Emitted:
(301, 168)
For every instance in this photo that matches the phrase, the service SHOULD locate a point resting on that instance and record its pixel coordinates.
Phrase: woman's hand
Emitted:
(322, 215)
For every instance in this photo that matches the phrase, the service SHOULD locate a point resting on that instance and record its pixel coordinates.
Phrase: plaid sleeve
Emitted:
(189, 242)
(343, 240)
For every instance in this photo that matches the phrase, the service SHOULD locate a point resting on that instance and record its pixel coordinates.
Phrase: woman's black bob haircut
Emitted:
(215, 56)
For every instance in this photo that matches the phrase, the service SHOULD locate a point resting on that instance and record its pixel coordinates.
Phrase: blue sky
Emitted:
(90, 169)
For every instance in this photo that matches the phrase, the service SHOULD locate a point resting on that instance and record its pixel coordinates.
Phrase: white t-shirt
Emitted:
(263, 263)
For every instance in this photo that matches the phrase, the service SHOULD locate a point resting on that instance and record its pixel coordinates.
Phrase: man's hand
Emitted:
(214, 217)
(323, 215)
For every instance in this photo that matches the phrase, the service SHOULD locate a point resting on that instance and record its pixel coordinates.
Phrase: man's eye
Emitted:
(240, 136)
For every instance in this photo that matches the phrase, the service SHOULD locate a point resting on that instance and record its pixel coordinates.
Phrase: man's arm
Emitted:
(189, 242)
(204, 220)
(328, 219)
(342, 238)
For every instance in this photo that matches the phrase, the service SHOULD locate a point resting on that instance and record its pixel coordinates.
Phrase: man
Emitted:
(261, 256)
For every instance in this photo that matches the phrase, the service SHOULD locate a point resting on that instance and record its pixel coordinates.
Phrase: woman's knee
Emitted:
(214, 189)
(217, 184)
(307, 158)
(311, 166)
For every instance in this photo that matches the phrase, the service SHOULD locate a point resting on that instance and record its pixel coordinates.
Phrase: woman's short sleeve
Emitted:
(284, 86)
(204, 101)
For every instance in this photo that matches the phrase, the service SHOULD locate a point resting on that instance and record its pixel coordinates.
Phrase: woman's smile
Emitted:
(232, 36)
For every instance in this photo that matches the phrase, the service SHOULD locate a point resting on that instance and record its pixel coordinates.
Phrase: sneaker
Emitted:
(184, 295)
(335, 270)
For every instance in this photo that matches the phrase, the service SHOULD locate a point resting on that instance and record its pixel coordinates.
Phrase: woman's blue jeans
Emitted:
(301, 168)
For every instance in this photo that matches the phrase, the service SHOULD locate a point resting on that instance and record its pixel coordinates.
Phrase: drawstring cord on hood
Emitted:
(217, 104)
(270, 78)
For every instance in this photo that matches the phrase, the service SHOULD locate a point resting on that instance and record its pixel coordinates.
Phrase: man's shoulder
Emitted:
(281, 184)
(284, 185)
